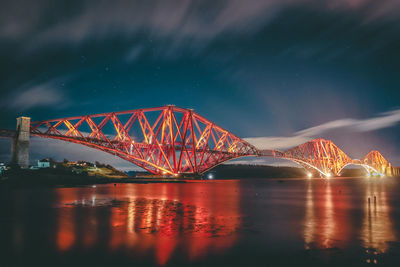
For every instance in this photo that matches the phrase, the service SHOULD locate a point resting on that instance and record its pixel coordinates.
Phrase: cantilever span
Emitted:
(328, 159)
(318, 155)
(164, 140)
(173, 140)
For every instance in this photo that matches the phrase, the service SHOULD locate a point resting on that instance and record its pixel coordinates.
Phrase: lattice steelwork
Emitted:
(319, 154)
(173, 140)
(375, 160)
(164, 140)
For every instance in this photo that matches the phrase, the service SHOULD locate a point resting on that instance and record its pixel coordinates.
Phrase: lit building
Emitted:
(44, 163)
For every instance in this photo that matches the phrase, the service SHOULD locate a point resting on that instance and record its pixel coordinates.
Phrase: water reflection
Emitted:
(205, 222)
(66, 221)
(150, 219)
(377, 229)
(320, 226)
(331, 216)
(327, 220)
(309, 224)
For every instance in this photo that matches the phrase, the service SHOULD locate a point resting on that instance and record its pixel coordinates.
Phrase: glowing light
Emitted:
(309, 175)
(210, 176)
(328, 175)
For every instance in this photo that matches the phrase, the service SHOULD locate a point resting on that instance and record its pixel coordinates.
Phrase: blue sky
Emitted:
(258, 68)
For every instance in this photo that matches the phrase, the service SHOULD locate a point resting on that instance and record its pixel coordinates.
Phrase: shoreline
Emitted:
(79, 180)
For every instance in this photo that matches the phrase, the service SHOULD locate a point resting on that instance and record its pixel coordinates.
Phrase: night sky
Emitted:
(282, 69)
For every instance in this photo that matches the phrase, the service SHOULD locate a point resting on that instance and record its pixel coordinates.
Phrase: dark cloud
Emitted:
(196, 23)
(32, 95)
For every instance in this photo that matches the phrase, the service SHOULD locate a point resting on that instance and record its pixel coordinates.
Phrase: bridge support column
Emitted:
(20, 147)
(389, 170)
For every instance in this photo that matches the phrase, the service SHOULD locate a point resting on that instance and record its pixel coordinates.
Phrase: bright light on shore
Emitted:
(309, 175)
(328, 175)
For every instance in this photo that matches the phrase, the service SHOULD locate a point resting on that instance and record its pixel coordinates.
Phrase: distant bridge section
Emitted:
(328, 160)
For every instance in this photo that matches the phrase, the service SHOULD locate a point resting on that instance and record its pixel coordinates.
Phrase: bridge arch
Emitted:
(366, 167)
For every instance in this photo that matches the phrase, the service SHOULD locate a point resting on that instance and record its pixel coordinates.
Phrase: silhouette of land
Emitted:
(85, 173)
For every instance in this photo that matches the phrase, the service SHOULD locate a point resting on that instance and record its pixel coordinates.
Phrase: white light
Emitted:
(328, 175)
(210, 176)
(309, 175)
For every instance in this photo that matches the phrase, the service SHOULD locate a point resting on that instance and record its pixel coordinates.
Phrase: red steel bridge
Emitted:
(177, 141)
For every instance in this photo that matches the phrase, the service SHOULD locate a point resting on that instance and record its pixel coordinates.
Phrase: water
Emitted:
(204, 223)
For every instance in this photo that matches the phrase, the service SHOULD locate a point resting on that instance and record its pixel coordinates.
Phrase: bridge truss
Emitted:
(319, 154)
(165, 140)
(172, 140)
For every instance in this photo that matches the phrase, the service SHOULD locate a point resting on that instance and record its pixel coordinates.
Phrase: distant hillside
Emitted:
(231, 171)
(353, 173)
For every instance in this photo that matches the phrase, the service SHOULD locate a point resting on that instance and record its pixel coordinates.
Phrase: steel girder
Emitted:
(164, 140)
(319, 154)
(173, 140)
(375, 160)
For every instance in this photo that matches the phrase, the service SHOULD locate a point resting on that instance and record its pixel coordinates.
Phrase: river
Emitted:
(252, 222)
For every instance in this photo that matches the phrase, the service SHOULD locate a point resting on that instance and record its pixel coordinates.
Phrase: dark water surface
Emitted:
(204, 223)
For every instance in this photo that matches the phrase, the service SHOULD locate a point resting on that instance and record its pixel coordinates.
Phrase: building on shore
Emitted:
(3, 167)
(44, 163)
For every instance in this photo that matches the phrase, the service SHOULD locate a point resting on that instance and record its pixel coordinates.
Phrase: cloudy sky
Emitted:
(278, 72)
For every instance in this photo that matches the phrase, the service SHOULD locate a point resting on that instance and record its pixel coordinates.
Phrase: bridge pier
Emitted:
(389, 170)
(20, 144)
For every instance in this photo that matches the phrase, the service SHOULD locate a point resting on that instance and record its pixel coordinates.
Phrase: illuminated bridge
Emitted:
(177, 141)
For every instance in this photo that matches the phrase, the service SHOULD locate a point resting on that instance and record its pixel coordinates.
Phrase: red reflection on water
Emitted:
(327, 220)
(164, 249)
(152, 219)
(90, 229)
(377, 228)
(66, 234)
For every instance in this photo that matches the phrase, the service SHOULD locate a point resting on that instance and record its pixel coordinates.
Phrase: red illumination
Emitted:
(176, 141)
(172, 140)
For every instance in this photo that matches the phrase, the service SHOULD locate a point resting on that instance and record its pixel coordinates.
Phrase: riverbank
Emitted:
(50, 177)
(64, 176)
